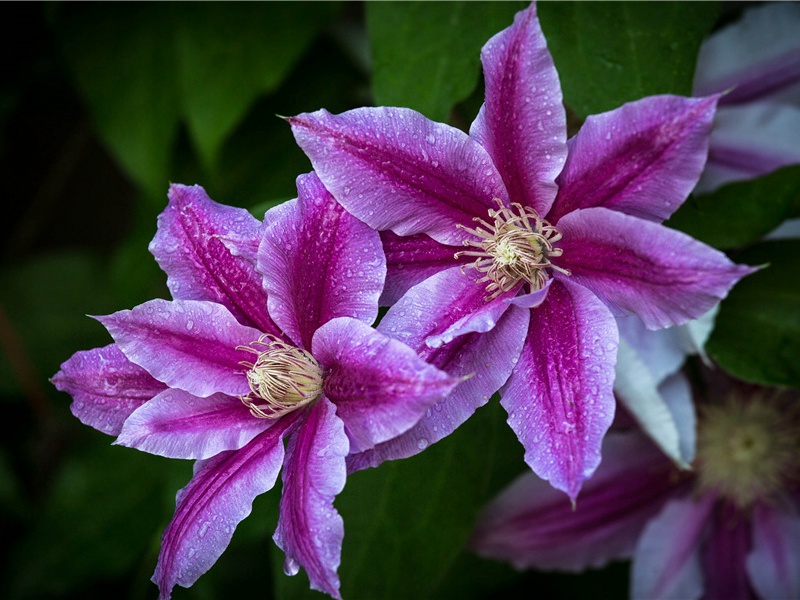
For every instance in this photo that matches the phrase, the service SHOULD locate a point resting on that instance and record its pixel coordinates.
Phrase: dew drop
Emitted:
(290, 567)
(189, 325)
(422, 443)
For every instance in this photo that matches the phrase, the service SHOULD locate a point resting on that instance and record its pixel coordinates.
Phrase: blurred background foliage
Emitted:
(104, 104)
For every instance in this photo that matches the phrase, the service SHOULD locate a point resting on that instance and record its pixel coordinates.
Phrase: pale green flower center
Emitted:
(282, 379)
(516, 247)
(748, 449)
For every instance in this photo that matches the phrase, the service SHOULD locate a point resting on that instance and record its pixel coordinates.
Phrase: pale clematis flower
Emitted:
(513, 237)
(267, 340)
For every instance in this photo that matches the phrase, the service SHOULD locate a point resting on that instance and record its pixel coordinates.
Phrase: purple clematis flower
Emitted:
(267, 340)
(730, 529)
(539, 241)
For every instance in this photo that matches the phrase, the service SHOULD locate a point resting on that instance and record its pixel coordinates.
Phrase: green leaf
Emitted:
(231, 53)
(123, 60)
(426, 55)
(608, 53)
(757, 332)
(406, 522)
(740, 213)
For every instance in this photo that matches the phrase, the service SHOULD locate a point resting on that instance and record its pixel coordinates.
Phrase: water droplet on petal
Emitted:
(422, 443)
(290, 567)
(189, 325)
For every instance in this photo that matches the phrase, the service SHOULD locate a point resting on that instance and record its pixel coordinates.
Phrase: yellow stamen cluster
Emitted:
(748, 449)
(282, 379)
(516, 247)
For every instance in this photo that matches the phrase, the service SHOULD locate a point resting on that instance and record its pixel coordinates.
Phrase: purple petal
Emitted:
(395, 169)
(533, 299)
(774, 563)
(176, 424)
(105, 387)
(319, 262)
(187, 344)
(532, 525)
(310, 530)
(484, 360)
(749, 141)
(218, 497)
(380, 387)
(641, 159)
(635, 266)
(559, 398)
(667, 560)
(523, 124)
(758, 56)
(412, 259)
(189, 247)
(723, 556)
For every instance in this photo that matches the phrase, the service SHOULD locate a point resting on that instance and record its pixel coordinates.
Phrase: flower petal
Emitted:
(723, 555)
(523, 124)
(749, 141)
(319, 262)
(532, 525)
(411, 259)
(483, 360)
(773, 565)
(177, 424)
(664, 276)
(310, 530)
(667, 559)
(641, 159)
(380, 387)
(758, 56)
(105, 386)
(209, 508)
(559, 398)
(395, 169)
(189, 247)
(187, 344)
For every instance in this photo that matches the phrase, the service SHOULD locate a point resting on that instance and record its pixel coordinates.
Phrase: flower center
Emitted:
(517, 247)
(748, 450)
(282, 379)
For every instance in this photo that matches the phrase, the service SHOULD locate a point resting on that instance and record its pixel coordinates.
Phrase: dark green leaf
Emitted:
(426, 55)
(757, 333)
(740, 213)
(608, 53)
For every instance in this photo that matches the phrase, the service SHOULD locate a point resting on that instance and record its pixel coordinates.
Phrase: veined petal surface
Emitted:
(522, 123)
(380, 387)
(310, 530)
(559, 397)
(395, 169)
(635, 266)
(187, 344)
(177, 424)
(319, 262)
(189, 248)
(773, 564)
(641, 159)
(105, 386)
(723, 555)
(209, 508)
(531, 525)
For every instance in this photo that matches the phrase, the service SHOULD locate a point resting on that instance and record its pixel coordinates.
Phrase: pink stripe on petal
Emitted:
(105, 386)
(641, 159)
(484, 360)
(209, 508)
(532, 525)
(395, 169)
(319, 262)
(380, 386)
(187, 344)
(310, 530)
(667, 559)
(189, 247)
(559, 398)
(636, 266)
(773, 564)
(723, 555)
(177, 424)
(412, 259)
(523, 124)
